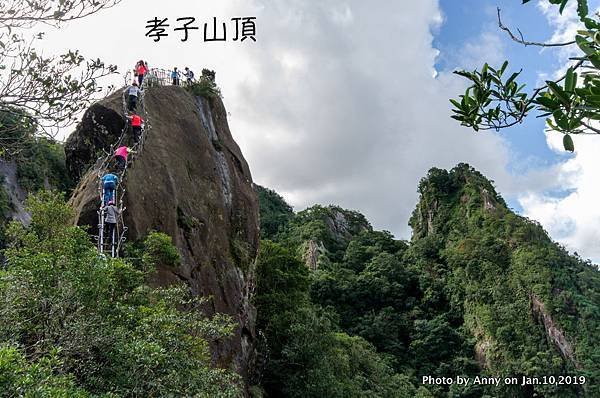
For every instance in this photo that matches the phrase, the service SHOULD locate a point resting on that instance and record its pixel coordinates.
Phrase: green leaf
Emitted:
(463, 73)
(570, 80)
(558, 92)
(562, 6)
(547, 102)
(584, 45)
(595, 60)
(456, 103)
(561, 119)
(586, 33)
(503, 68)
(512, 78)
(582, 9)
(590, 23)
(568, 143)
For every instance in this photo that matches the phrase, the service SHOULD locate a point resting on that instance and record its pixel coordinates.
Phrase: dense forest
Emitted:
(343, 310)
(349, 311)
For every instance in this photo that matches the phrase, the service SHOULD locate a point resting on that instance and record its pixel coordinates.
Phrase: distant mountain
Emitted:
(478, 291)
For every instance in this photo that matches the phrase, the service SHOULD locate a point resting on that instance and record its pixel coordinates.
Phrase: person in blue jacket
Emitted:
(109, 184)
(175, 74)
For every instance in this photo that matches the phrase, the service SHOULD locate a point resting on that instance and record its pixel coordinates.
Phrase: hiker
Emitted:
(137, 124)
(140, 71)
(110, 218)
(109, 184)
(175, 76)
(133, 92)
(121, 156)
(189, 75)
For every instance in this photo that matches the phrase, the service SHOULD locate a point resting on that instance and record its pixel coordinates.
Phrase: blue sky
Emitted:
(465, 21)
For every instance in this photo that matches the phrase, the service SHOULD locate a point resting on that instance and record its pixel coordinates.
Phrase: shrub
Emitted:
(160, 250)
(97, 320)
(204, 88)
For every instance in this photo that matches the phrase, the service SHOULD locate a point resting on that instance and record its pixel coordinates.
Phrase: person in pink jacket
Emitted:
(121, 156)
(141, 68)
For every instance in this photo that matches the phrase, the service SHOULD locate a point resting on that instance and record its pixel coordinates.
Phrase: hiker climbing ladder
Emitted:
(111, 238)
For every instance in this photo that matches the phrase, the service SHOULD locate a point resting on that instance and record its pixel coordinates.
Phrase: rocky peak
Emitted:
(192, 182)
(444, 194)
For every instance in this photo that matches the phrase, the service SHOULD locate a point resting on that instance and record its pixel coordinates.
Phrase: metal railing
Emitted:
(158, 77)
(115, 246)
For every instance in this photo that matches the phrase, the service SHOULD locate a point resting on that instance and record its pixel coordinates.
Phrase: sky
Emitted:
(346, 102)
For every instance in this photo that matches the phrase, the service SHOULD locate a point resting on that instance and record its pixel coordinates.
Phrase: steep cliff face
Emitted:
(192, 182)
(15, 193)
(524, 299)
(98, 129)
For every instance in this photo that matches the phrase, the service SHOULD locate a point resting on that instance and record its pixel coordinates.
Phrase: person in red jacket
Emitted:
(140, 71)
(137, 124)
(121, 156)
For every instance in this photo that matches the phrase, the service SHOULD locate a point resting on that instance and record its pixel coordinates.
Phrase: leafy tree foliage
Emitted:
(332, 226)
(571, 103)
(20, 377)
(308, 357)
(76, 324)
(159, 250)
(47, 92)
(205, 86)
(275, 213)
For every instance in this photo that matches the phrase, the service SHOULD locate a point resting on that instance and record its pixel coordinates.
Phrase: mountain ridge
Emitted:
(478, 290)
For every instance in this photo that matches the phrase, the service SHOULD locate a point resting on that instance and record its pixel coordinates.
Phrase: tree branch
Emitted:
(526, 43)
(533, 96)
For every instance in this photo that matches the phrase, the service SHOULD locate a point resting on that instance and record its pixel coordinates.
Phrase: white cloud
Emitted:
(572, 215)
(335, 103)
(488, 47)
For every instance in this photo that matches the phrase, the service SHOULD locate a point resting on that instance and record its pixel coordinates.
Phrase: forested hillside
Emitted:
(478, 291)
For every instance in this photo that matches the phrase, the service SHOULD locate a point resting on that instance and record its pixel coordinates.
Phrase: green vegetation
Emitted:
(308, 355)
(204, 88)
(76, 324)
(41, 164)
(160, 250)
(275, 213)
(40, 161)
(471, 295)
(571, 103)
